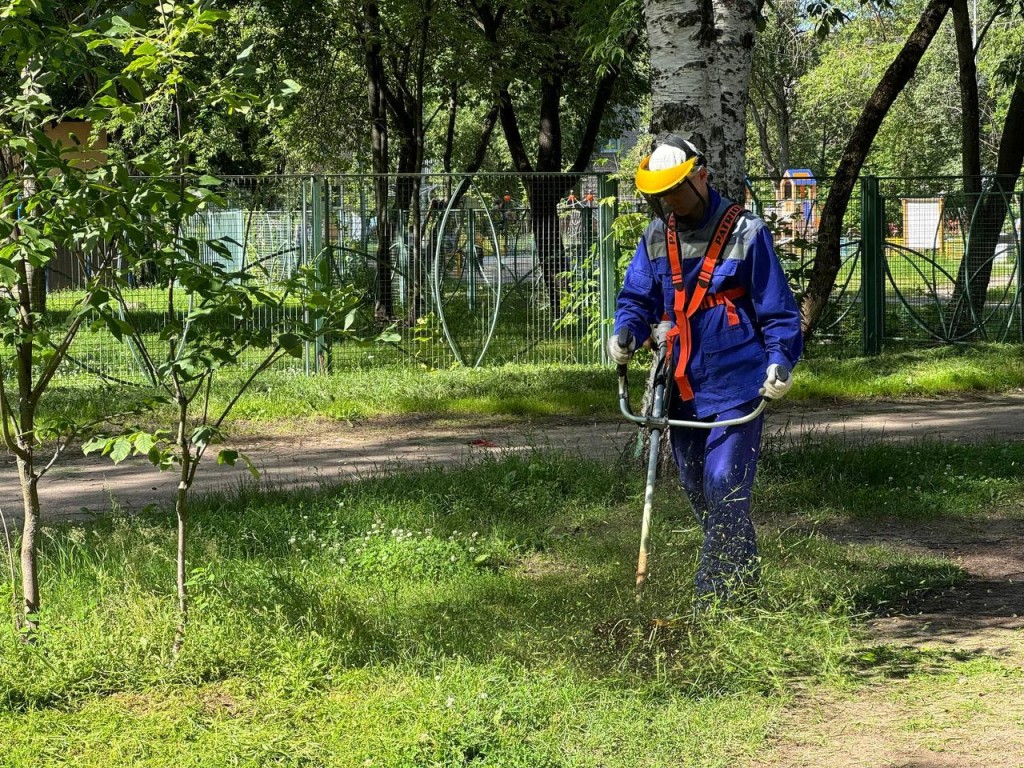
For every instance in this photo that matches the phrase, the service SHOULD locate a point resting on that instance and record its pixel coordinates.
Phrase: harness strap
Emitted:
(684, 308)
(727, 298)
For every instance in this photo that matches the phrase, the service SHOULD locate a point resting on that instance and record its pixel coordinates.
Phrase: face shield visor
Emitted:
(675, 160)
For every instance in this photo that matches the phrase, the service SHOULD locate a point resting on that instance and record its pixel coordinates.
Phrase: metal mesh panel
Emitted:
(952, 252)
(792, 210)
(261, 227)
(478, 274)
(521, 268)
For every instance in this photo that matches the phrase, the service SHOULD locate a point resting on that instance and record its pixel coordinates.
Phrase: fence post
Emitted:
(321, 239)
(873, 269)
(305, 231)
(470, 258)
(607, 187)
(1019, 236)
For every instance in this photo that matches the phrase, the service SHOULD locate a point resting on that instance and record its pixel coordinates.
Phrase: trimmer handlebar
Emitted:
(624, 338)
(660, 354)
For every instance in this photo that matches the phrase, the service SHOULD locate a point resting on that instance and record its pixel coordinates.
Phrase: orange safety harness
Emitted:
(700, 300)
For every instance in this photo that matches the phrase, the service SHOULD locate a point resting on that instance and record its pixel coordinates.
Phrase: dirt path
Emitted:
(324, 452)
(912, 712)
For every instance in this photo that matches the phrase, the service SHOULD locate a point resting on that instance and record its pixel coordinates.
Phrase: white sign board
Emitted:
(922, 222)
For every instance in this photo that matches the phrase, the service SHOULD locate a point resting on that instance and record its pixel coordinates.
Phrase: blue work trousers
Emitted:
(717, 468)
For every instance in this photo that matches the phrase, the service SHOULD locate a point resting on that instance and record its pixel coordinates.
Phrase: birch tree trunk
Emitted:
(701, 57)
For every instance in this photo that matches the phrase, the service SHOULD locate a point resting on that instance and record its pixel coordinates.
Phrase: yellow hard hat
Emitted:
(658, 182)
(668, 166)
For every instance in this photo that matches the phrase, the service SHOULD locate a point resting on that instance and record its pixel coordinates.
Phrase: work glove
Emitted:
(777, 382)
(660, 331)
(617, 352)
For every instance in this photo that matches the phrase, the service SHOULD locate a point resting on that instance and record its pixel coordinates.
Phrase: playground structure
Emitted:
(797, 203)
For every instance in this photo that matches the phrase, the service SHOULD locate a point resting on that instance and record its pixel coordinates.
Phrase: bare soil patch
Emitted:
(912, 722)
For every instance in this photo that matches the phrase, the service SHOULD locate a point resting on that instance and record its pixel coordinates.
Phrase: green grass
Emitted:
(906, 482)
(479, 615)
(928, 372)
(562, 391)
(519, 391)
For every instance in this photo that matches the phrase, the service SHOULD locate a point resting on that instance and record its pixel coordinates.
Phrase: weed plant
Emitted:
(479, 615)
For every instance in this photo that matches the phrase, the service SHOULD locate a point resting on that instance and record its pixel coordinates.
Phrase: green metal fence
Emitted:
(951, 254)
(501, 268)
(927, 260)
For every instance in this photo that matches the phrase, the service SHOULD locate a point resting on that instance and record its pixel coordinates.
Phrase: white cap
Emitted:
(666, 156)
(669, 156)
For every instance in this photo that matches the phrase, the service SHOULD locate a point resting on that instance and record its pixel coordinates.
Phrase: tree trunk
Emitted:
(828, 260)
(784, 118)
(36, 276)
(25, 439)
(407, 194)
(971, 138)
(181, 509)
(384, 305)
(990, 215)
(37, 286)
(736, 22)
(701, 58)
(764, 143)
(449, 135)
(29, 539)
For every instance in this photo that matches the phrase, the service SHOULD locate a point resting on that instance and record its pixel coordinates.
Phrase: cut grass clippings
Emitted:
(479, 615)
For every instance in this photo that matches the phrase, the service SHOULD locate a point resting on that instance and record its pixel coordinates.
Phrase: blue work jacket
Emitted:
(727, 363)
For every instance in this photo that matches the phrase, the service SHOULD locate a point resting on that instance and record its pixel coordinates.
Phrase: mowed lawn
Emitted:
(280, 399)
(482, 615)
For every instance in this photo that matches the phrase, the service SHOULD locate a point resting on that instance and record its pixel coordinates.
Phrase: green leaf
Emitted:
(252, 467)
(133, 88)
(291, 344)
(227, 456)
(95, 444)
(144, 442)
(203, 435)
(121, 450)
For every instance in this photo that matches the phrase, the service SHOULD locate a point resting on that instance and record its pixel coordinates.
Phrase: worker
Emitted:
(705, 274)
